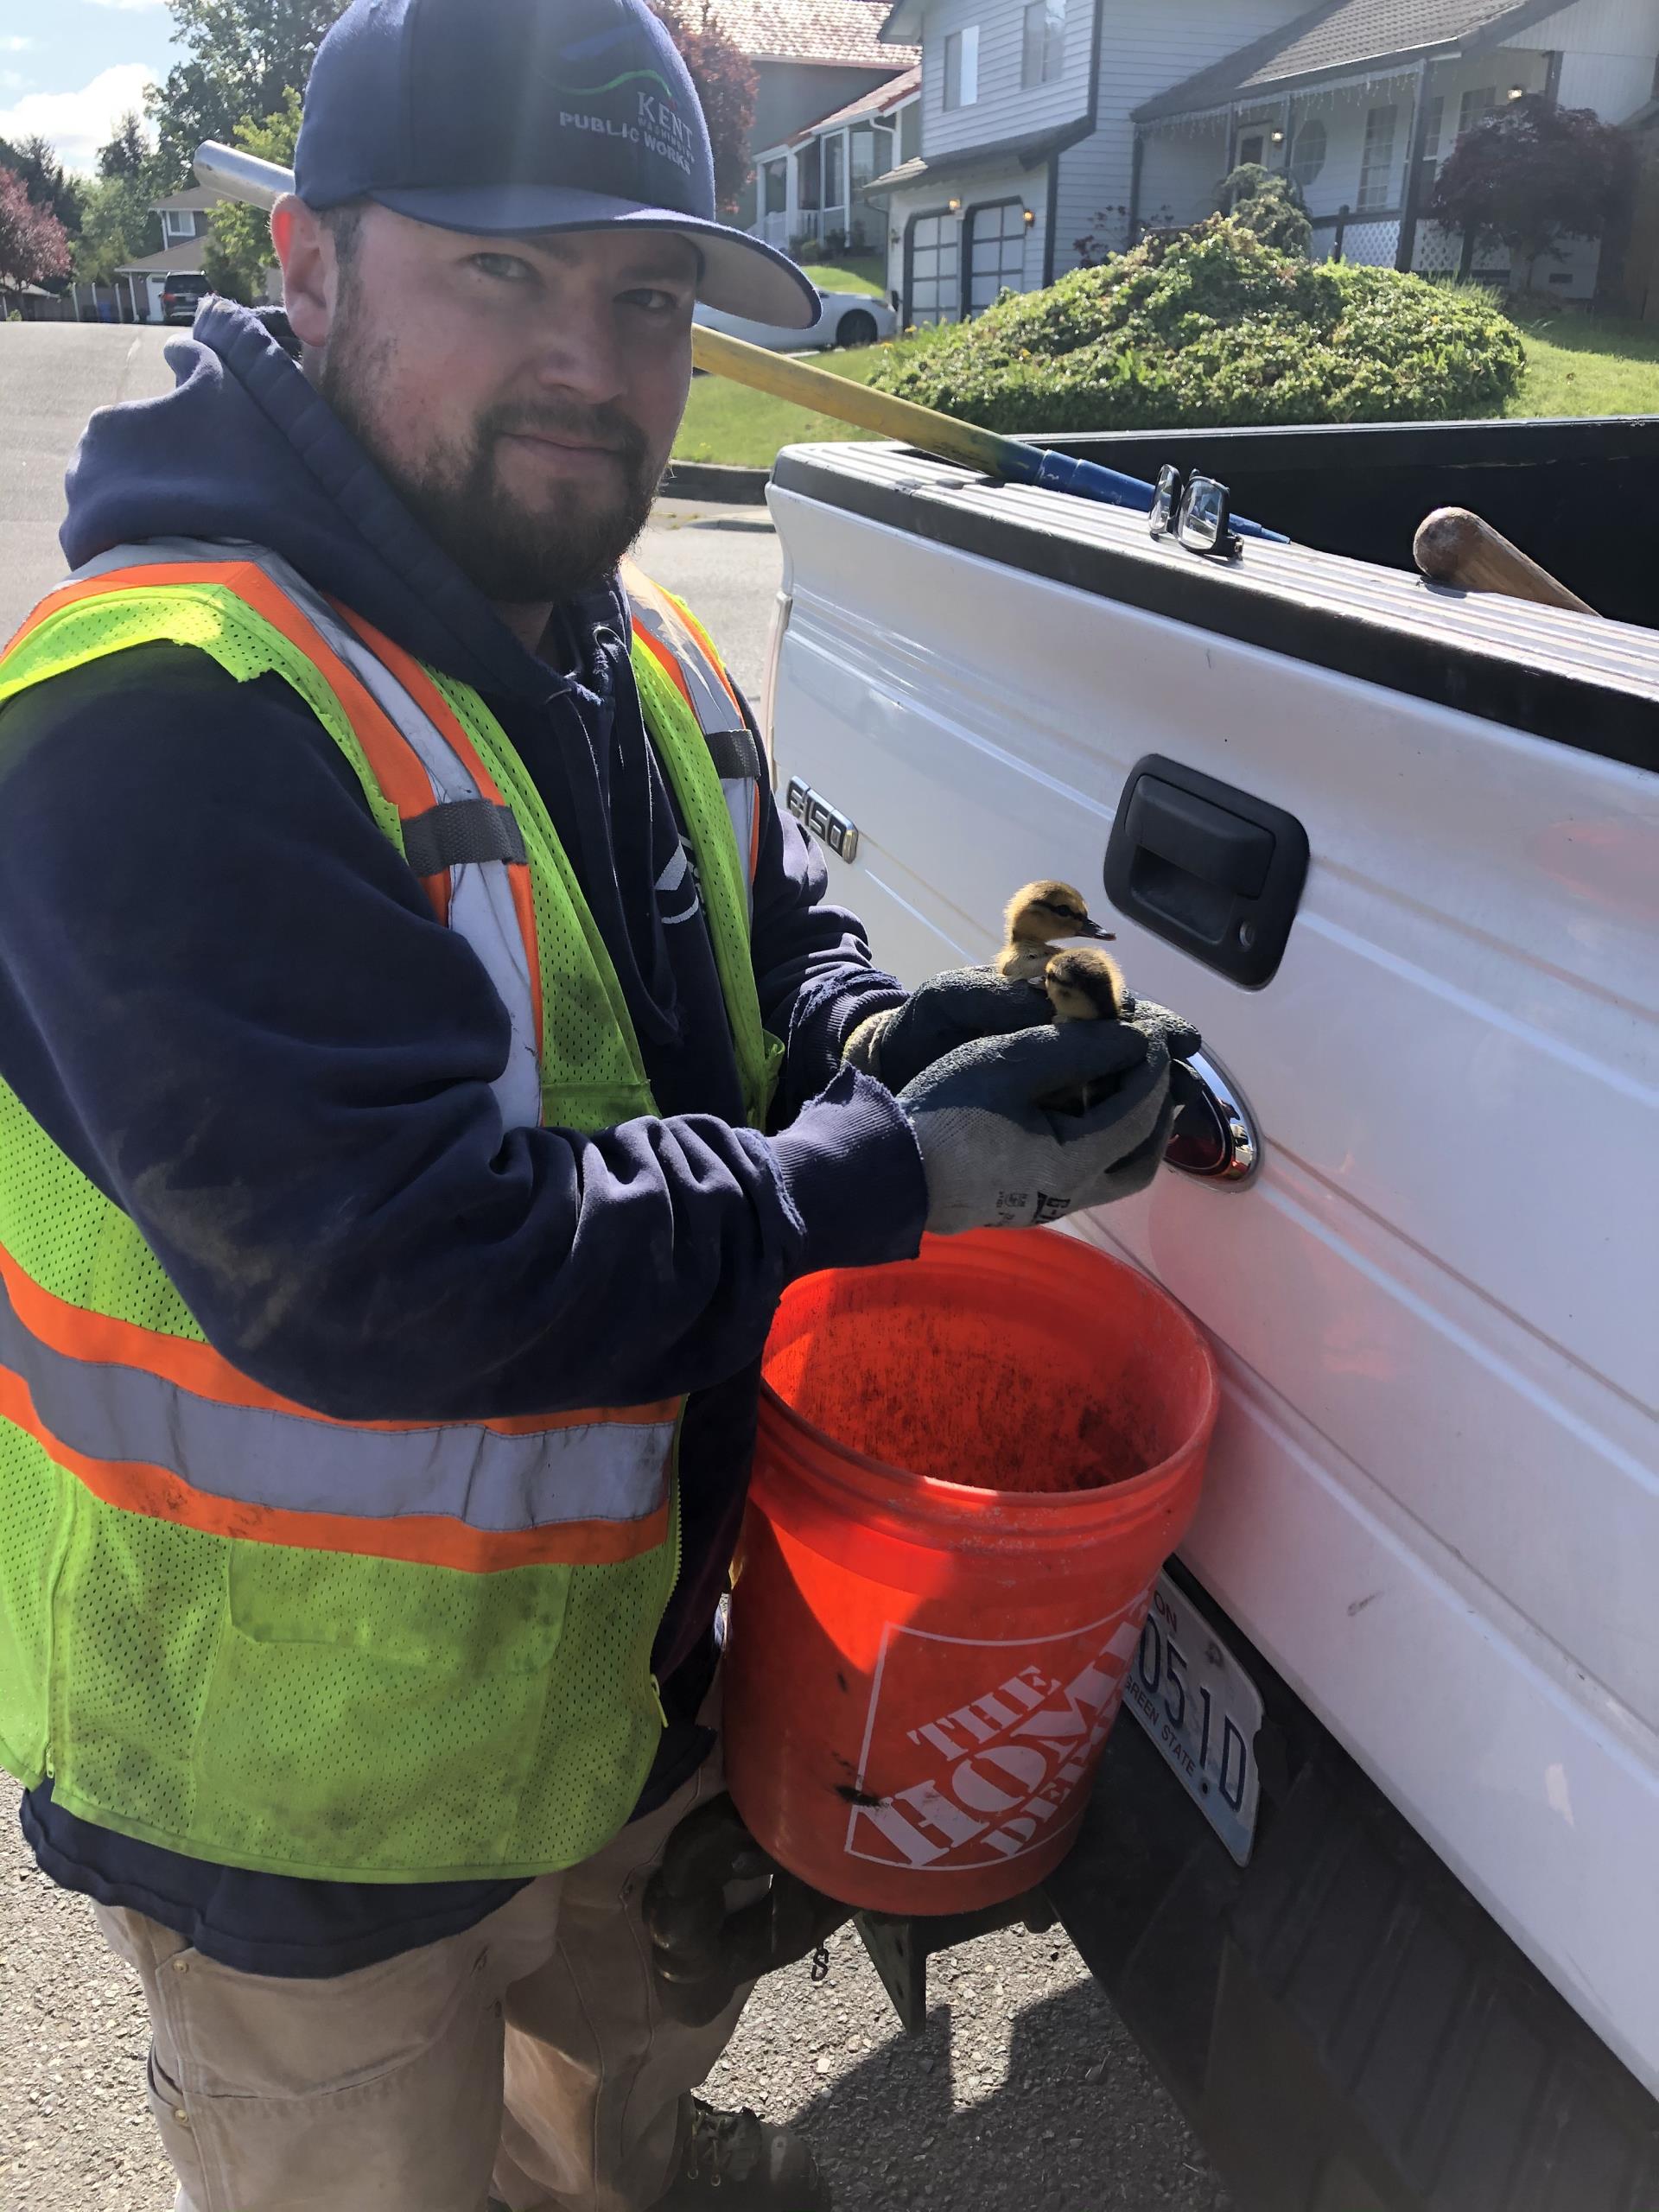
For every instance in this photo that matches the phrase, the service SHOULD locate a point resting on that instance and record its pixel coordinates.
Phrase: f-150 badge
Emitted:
(832, 828)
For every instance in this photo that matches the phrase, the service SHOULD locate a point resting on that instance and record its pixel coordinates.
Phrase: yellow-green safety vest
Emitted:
(235, 1627)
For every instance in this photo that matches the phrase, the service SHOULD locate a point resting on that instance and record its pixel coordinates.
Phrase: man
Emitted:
(399, 1166)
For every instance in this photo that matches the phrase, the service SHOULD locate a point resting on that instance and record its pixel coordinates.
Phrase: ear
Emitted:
(306, 256)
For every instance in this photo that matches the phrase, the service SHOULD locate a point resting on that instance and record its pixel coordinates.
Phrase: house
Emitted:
(811, 58)
(1631, 257)
(815, 185)
(1056, 130)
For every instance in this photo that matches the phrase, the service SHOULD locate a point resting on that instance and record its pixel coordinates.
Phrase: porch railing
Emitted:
(1372, 239)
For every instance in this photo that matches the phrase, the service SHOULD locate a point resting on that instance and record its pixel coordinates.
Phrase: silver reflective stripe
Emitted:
(742, 796)
(595, 1470)
(709, 701)
(731, 744)
(481, 893)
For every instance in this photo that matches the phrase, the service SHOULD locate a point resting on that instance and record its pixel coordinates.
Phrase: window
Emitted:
(1428, 167)
(883, 156)
(910, 131)
(776, 177)
(1474, 105)
(176, 223)
(931, 289)
(1376, 164)
(863, 162)
(962, 68)
(1308, 152)
(997, 252)
(835, 171)
(1250, 148)
(807, 170)
(1045, 42)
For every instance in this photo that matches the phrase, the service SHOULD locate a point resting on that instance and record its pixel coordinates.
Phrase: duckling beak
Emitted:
(1089, 927)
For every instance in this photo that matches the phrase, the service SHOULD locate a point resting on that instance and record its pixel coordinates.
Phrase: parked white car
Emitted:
(845, 318)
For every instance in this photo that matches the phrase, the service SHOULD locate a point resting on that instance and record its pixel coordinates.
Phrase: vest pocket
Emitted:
(396, 1612)
(372, 1716)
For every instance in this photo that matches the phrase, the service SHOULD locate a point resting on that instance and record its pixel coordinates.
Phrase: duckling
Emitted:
(1037, 916)
(1085, 985)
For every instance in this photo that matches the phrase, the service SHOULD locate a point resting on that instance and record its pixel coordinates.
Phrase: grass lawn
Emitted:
(1576, 364)
(727, 421)
(1589, 364)
(863, 273)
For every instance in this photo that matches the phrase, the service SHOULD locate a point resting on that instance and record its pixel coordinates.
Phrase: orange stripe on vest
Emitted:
(421, 1540)
(101, 1340)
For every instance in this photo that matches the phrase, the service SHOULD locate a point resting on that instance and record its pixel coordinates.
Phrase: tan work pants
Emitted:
(530, 2048)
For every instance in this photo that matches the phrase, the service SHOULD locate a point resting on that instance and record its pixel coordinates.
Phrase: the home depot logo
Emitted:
(999, 1771)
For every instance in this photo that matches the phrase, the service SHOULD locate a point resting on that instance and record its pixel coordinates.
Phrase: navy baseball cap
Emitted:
(508, 117)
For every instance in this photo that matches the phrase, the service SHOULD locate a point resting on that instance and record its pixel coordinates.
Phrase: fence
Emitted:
(78, 304)
(1372, 240)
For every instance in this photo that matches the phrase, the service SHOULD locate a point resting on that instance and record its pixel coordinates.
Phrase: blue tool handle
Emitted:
(1087, 480)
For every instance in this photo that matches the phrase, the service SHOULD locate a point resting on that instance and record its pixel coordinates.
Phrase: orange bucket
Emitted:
(970, 1468)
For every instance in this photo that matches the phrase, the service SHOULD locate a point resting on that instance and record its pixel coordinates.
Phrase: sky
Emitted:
(71, 68)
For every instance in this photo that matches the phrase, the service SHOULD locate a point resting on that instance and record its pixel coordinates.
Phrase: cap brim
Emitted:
(742, 275)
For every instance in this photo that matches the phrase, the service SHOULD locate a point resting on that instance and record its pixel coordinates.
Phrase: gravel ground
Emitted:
(1025, 2091)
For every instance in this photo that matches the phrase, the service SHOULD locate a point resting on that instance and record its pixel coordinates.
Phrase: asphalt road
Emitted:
(1024, 2095)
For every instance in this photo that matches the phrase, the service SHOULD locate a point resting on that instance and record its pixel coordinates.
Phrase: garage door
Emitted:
(997, 248)
(935, 294)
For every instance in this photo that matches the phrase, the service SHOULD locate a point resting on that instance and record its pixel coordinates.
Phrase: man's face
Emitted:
(522, 394)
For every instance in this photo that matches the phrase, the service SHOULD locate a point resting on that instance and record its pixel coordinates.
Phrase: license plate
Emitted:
(1202, 1711)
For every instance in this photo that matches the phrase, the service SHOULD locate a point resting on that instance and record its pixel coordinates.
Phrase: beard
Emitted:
(517, 551)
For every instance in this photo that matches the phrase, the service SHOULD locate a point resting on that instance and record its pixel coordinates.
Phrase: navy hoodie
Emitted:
(225, 997)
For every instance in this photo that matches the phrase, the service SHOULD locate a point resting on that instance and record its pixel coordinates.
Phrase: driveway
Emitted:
(1024, 2095)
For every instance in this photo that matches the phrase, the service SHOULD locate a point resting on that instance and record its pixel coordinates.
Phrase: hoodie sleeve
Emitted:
(223, 995)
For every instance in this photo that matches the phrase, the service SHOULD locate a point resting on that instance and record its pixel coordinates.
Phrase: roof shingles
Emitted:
(840, 31)
(1338, 34)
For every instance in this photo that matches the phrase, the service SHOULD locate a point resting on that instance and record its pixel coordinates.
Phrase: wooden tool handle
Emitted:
(848, 401)
(1455, 547)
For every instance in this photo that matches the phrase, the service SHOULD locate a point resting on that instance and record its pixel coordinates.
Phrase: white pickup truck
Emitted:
(1395, 850)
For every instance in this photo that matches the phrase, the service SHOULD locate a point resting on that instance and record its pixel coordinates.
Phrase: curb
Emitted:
(708, 480)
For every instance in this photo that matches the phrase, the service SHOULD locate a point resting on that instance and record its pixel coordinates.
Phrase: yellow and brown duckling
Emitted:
(1038, 917)
(1084, 985)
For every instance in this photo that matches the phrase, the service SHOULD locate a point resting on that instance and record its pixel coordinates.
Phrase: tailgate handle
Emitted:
(1206, 867)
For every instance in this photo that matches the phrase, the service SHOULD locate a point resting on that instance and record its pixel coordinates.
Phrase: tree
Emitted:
(34, 248)
(725, 79)
(244, 57)
(47, 183)
(1268, 202)
(239, 247)
(128, 153)
(119, 227)
(1529, 175)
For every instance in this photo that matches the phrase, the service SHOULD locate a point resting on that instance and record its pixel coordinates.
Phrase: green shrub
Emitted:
(1211, 326)
(1270, 203)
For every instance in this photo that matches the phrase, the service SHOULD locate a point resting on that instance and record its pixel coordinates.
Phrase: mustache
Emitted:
(604, 426)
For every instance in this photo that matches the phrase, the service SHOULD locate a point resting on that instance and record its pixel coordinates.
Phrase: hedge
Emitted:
(1211, 326)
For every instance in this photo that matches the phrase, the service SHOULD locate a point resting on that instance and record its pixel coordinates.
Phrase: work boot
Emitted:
(739, 2163)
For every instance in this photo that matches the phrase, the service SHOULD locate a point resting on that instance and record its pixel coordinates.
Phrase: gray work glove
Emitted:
(952, 1008)
(1003, 1143)
(1154, 1020)
(706, 1941)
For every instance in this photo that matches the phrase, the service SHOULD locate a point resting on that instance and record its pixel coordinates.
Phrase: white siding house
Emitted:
(816, 184)
(1129, 119)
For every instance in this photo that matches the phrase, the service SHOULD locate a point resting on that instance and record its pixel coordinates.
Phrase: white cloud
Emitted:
(13, 79)
(78, 124)
(12, 44)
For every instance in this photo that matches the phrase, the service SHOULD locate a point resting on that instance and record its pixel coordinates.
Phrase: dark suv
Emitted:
(181, 295)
